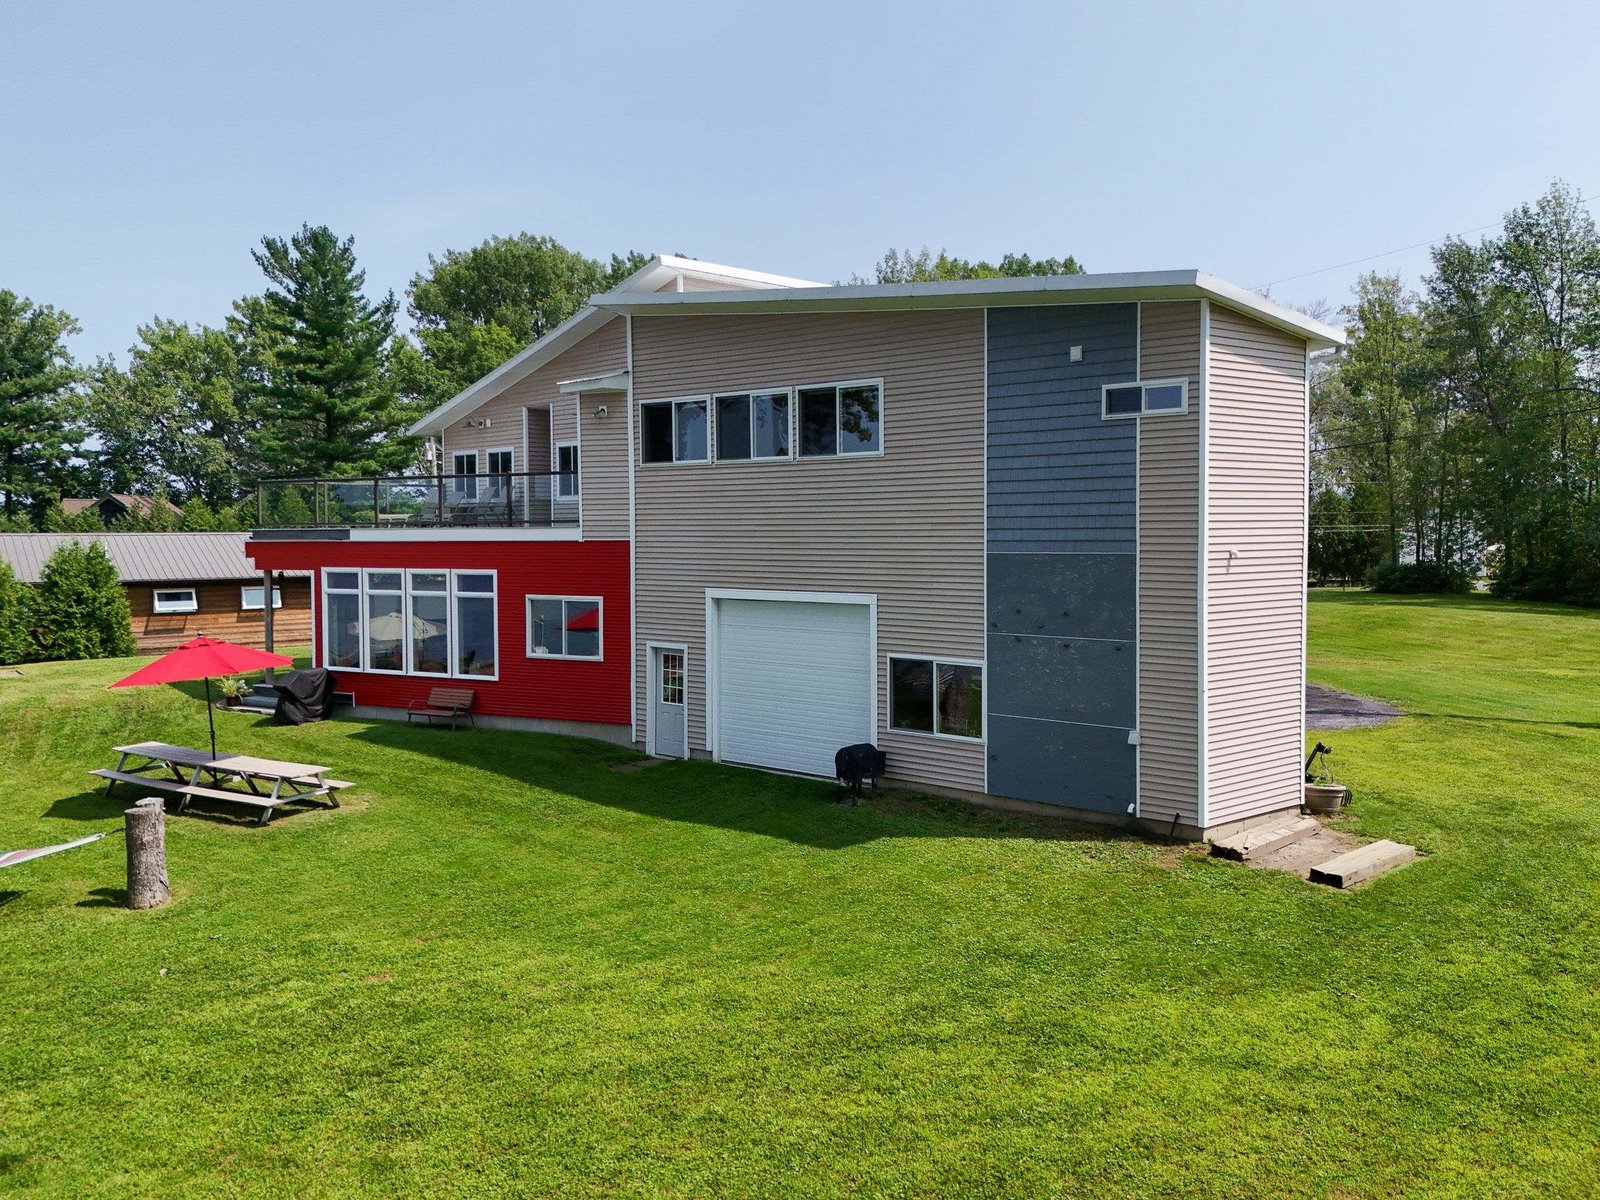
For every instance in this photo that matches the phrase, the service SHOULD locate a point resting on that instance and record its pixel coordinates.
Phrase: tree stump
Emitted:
(146, 827)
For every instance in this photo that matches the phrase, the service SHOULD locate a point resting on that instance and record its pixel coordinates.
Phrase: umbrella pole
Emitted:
(211, 717)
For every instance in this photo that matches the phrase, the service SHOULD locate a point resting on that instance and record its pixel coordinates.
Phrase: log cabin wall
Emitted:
(219, 615)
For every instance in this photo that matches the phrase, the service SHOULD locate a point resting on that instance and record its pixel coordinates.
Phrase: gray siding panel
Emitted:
(1062, 595)
(1048, 762)
(1169, 571)
(1062, 679)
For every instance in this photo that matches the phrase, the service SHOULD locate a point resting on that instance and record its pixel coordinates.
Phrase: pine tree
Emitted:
(80, 608)
(36, 377)
(316, 375)
(16, 618)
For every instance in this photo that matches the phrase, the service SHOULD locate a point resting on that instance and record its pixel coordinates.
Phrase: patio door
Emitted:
(668, 732)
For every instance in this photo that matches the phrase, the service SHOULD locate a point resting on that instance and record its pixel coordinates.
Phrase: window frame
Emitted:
(749, 395)
(246, 606)
(675, 401)
(407, 667)
(1144, 386)
(600, 631)
(934, 661)
(169, 608)
(450, 622)
(460, 477)
(838, 420)
(575, 475)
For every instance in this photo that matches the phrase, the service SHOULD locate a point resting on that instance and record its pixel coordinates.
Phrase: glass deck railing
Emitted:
(516, 500)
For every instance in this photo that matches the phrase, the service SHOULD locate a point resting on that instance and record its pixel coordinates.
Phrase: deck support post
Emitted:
(145, 826)
(266, 617)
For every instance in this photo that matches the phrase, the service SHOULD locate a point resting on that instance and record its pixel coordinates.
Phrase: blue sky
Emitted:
(144, 149)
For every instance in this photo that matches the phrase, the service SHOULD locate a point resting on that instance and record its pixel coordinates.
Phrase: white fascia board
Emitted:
(615, 381)
(993, 293)
(712, 272)
(518, 367)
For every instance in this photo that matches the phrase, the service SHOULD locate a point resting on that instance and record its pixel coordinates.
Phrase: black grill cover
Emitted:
(863, 761)
(304, 696)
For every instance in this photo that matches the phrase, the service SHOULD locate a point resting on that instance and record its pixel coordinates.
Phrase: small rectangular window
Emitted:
(567, 471)
(250, 597)
(175, 600)
(841, 419)
(675, 431)
(936, 696)
(1144, 399)
(564, 627)
(752, 425)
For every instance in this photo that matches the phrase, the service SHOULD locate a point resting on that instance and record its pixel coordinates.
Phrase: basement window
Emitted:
(1155, 397)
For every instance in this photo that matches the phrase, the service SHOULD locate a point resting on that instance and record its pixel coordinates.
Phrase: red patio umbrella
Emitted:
(202, 658)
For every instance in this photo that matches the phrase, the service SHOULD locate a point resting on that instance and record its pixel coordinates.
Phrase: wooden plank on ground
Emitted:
(1263, 839)
(1363, 863)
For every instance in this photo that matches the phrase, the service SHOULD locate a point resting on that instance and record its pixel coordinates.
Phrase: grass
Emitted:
(505, 969)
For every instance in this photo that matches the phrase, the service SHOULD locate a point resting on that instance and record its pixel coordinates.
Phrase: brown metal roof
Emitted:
(144, 504)
(141, 557)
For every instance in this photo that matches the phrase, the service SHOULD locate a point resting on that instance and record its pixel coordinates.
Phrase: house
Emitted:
(1041, 540)
(181, 584)
(115, 505)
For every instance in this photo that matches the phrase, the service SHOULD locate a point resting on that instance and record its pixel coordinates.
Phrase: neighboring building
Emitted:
(1042, 540)
(115, 505)
(182, 584)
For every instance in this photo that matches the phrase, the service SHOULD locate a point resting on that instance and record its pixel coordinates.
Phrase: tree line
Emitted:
(1458, 434)
(309, 377)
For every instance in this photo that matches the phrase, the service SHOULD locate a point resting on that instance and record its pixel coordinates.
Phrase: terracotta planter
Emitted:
(1324, 797)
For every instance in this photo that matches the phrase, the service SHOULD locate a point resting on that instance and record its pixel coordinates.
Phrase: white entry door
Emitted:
(669, 724)
(794, 682)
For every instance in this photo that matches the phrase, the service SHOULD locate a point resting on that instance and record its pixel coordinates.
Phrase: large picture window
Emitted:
(752, 425)
(842, 418)
(564, 627)
(675, 431)
(942, 697)
(441, 623)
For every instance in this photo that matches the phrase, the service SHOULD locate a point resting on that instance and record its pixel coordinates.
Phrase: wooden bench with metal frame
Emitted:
(444, 703)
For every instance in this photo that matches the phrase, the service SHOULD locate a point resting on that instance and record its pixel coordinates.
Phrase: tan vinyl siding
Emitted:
(603, 464)
(564, 430)
(907, 526)
(1169, 571)
(1256, 503)
(601, 353)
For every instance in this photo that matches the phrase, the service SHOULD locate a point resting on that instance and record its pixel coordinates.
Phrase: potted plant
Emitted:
(1323, 793)
(233, 691)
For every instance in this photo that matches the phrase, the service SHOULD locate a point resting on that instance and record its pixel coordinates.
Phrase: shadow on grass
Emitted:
(97, 806)
(105, 897)
(8, 896)
(742, 799)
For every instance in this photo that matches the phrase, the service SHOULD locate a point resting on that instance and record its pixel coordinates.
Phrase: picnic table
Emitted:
(263, 783)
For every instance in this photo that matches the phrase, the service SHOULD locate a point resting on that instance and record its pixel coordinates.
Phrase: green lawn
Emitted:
(505, 969)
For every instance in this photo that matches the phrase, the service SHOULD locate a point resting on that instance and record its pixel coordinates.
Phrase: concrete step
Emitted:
(1264, 839)
(1363, 863)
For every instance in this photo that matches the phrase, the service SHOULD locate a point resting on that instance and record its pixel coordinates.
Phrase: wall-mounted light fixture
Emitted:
(600, 413)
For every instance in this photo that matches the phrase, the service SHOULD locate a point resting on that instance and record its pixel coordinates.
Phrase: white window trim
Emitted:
(838, 420)
(600, 606)
(246, 588)
(577, 474)
(363, 591)
(936, 660)
(711, 432)
(457, 483)
(749, 395)
(493, 596)
(450, 623)
(1144, 385)
(168, 607)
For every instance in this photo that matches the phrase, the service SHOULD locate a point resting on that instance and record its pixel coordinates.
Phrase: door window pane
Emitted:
(475, 635)
(858, 420)
(567, 466)
(690, 444)
(960, 700)
(655, 421)
(911, 694)
(385, 633)
(733, 427)
(671, 684)
(343, 625)
(819, 421)
(769, 426)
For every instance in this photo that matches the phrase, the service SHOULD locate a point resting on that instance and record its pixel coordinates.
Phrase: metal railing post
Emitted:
(376, 483)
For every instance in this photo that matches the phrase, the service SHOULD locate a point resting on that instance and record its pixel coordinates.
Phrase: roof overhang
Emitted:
(984, 293)
(617, 381)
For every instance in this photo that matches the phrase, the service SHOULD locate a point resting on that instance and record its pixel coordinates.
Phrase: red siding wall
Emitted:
(528, 687)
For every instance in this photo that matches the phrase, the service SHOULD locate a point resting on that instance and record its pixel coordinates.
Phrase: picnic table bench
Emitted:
(142, 764)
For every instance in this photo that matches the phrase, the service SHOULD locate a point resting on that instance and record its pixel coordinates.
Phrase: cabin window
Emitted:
(675, 431)
(937, 696)
(841, 418)
(1152, 398)
(564, 627)
(752, 425)
(175, 600)
(250, 597)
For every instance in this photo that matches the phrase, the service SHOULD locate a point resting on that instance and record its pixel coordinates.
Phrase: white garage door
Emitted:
(794, 682)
